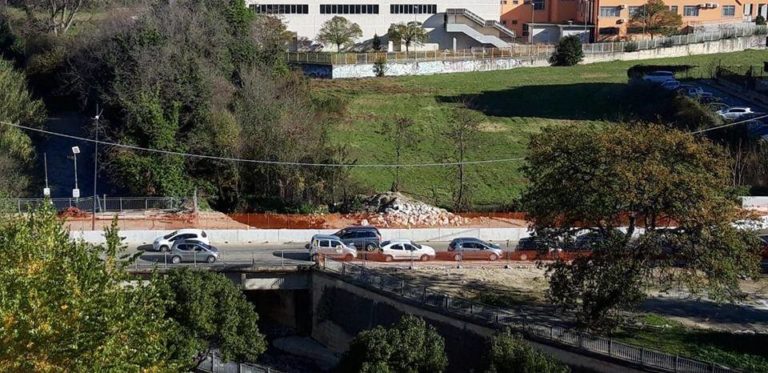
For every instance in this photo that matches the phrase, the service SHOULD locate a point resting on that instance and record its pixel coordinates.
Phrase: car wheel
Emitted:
(349, 257)
(370, 247)
(457, 257)
(175, 259)
(210, 259)
(388, 258)
(424, 258)
(163, 248)
(493, 257)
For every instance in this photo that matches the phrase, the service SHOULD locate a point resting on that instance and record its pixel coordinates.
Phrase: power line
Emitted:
(280, 163)
(728, 125)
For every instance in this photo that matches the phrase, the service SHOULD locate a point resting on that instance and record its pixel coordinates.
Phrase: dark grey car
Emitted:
(361, 237)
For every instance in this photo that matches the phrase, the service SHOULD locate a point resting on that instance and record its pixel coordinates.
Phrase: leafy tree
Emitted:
(211, 313)
(380, 67)
(408, 33)
(760, 20)
(633, 177)
(399, 132)
(376, 43)
(68, 305)
(408, 346)
(654, 17)
(60, 15)
(568, 52)
(461, 132)
(510, 353)
(18, 107)
(339, 31)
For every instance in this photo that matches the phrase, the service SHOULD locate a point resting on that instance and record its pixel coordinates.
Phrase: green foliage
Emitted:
(411, 33)
(636, 176)
(376, 42)
(510, 353)
(340, 32)
(760, 20)
(568, 52)
(410, 346)
(380, 67)
(654, 18)
(67, 305)
(211, 313)
(17, 106)
(631, 47)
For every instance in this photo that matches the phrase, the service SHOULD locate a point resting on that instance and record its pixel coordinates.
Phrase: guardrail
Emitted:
(213, 364)
(498, 317)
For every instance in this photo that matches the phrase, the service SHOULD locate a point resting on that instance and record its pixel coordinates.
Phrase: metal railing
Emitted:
(103, 204)
(213, 364)
(535, 51)
(675, 40)
(499, 317)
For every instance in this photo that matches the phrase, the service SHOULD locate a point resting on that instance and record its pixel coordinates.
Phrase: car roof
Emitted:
(467, 239)
(399, 240)
(360, 228)
(188, 230)
(325, 237)
(739, 107)
(660, 72)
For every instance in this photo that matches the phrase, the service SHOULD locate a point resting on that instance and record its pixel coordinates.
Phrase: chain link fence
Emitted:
(498, 317)
(103, 204)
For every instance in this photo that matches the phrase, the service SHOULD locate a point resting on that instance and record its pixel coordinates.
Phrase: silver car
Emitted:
(330, 246)
(193, 251)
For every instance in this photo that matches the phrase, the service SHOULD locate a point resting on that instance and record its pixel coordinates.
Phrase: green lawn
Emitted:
(514, 103)
(747, 352)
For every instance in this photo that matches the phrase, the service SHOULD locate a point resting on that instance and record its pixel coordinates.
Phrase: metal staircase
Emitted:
(472, 32)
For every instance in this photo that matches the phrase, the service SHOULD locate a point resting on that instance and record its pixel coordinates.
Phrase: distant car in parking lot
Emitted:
(735, 112)
(361, 237)
(659, 76)
(164, 243)
(474, 248)
(331, 246)
(670, 85)
(405, 250)
(193, 251)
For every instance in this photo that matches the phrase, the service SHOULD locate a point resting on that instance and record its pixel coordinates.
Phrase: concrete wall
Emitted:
(446, 67)
(754, 202)
(342, 310)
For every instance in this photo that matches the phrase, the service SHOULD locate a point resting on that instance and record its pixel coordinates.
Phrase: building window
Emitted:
(747, 9)
(673, 9)
(608, 31)
(610, 11)
(349, 9)
(633, 10)
(514, 21)
(413, 8)
(538, 4)
(691, 11)
(525, 29)
(729, 10)
(281, 8)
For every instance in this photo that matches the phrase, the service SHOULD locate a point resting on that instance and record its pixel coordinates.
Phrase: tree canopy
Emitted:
(411, 33)
(568, 52)
(340, 32)
(672, 185)
(65, 305)
(409, 346)
(510, 353)
(654, 17)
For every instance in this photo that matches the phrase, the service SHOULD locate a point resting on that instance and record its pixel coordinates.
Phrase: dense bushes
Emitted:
(511, 354)
(568, 52)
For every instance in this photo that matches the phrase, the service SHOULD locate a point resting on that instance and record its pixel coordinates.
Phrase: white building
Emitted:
(451, 24)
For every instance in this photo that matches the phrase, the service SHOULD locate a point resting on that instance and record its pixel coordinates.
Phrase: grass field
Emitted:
(514, 105)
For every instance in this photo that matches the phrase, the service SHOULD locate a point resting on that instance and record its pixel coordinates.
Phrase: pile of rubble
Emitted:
(396, 210)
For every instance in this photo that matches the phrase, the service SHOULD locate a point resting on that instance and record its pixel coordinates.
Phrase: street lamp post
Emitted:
(76, 191)
(95, 169)
(530, 25)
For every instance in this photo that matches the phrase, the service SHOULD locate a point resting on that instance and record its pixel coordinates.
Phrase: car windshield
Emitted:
(416, 245)
(169, 235)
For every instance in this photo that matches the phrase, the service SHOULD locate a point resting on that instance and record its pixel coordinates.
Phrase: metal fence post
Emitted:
(610, 347)
(642, 356)
(677, 362)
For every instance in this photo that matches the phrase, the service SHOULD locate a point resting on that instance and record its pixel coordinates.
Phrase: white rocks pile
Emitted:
(395, 209)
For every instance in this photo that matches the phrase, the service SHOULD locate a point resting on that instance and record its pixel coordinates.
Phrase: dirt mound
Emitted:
(394, 209)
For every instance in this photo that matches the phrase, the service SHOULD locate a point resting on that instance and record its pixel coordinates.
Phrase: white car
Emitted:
(671, 85)
(659, 77)
(164, 243)
(406, 250)
(734, 112)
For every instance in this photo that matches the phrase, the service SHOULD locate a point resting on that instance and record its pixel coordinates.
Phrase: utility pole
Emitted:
(95, 168)
(46, 190)
(76, 191)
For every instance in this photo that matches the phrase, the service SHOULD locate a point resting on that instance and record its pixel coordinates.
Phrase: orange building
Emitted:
(601, 20)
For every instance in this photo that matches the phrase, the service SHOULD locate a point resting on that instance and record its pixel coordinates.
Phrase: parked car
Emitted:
(361, 237)
(474, 248)
(659, 76)
(331, 246)
(193, 251)
(164, 243)
(670, 85)
(735, 112)
(692, 91)
(405, 250)
(538, 244)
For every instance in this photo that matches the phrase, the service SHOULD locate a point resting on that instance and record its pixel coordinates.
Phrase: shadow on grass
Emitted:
(709, 312)
(582, 101)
